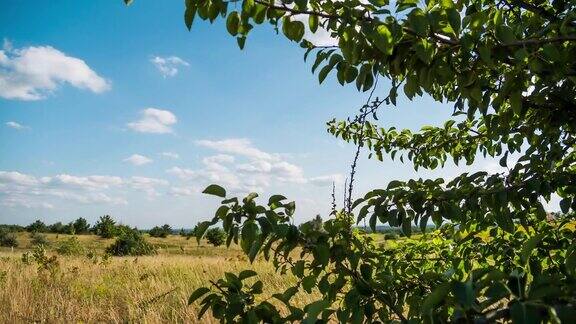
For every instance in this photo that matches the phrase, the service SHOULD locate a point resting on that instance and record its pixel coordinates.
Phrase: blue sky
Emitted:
(107, 109)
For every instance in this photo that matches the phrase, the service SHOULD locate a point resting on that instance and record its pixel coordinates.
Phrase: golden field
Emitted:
(146, 289)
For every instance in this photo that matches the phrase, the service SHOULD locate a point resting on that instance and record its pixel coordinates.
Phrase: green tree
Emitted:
(57, 228)
(81, 226)
(216, 236)
(508, 68)
(105, 227)
(38, 226)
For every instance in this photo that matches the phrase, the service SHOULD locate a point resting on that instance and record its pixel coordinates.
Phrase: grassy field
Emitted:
(119, 289)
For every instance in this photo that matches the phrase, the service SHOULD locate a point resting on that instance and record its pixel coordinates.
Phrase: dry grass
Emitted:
(145, 289)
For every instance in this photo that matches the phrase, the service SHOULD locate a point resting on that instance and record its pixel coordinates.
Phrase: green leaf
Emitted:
(434, 299)
(529, 246)
(516, 103)
(197, 294)
(275, 199)
(245, 274)
(424, 51)
(505, 34)
(232, 23)
(251, 196)
(383, 39)
(201, 229)
(314, 309)
(215, 190)
(248, 235)
(454, 19)
(241, 42)
(419, 22)
(222, 211)
(313, 23)
(189, 14)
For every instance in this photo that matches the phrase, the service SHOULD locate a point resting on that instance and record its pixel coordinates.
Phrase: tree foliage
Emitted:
(105, 227)
(508, 68)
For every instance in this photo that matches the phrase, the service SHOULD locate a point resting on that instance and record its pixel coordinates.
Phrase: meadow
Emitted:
(95, 288)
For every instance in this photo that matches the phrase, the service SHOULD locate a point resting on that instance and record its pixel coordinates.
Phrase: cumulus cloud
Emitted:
(32, 73)
(156, 121)
(239, 146)
(28, 191)
(15, 125)
(147, 185)
(168, 66)
(241, 167)
(170, 155)
(137, 159)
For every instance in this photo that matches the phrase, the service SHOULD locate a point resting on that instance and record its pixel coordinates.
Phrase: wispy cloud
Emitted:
(170, 155)
(138, 160)
(168, 66)
(31, 73)
(156, 121)
(28, 191)
(15, 125)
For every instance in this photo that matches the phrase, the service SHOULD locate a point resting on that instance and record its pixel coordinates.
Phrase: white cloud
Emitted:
(238, 146)
(327, 180)
(137, 159)
(184, 191)
(15, 125)
(147, 185)
(168, 66)
(241, 168)
(170, 155)
(31, 73)
(155, 121)
(23, 190)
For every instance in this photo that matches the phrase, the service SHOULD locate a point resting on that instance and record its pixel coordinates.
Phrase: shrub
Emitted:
(71, 246)
(216, 236)
(39, 239)
(158, 231)
(131, 243)
(8, 239)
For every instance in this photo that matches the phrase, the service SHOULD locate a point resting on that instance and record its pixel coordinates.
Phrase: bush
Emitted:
(131, 243)
(39, 239)
(71, 246)
(8, 239)
(216, 236)
(158, 231)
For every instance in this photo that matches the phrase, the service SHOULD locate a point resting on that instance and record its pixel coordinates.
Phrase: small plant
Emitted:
(131, 243)
(216, 236)
(39, 239)
(70, 246)
(8, 239)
